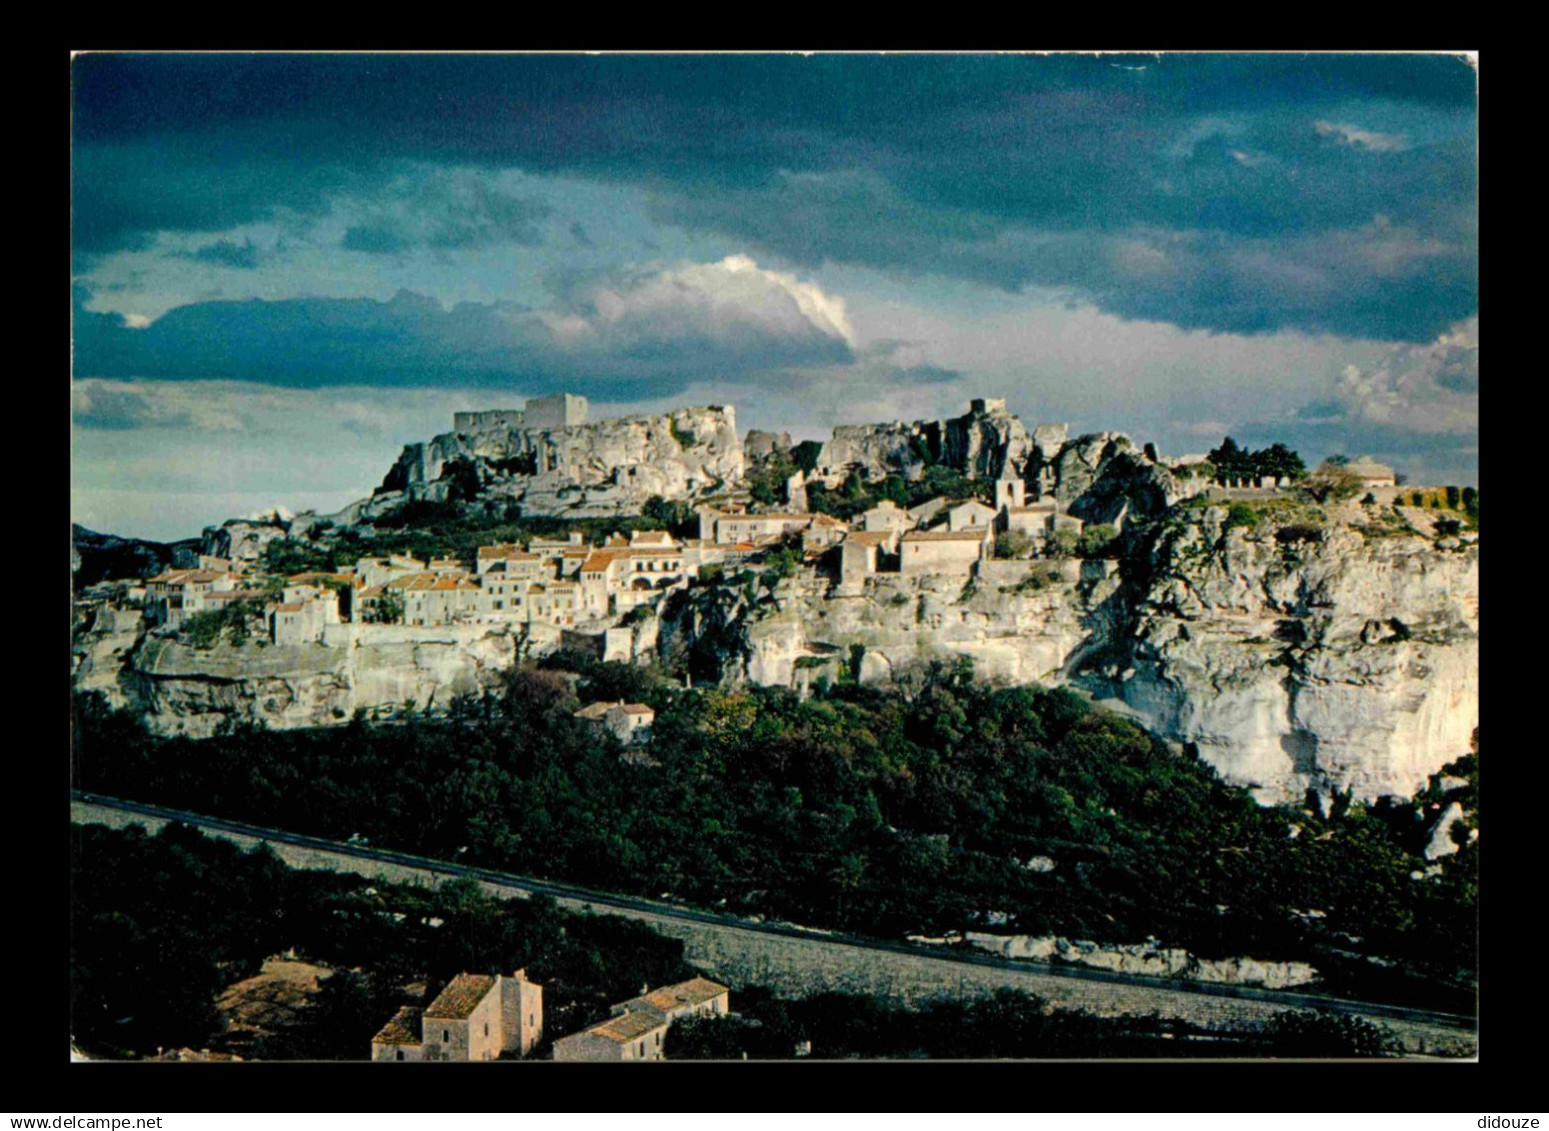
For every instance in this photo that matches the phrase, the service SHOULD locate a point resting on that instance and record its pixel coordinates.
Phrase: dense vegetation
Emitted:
(878, 812)
(1277, 460)
(159, 925)
(427, 529)
(857, 494)
(104, 556)
(1009, 1024)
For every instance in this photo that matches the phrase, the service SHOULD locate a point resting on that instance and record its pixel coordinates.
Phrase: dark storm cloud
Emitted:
(1069, 172)
(227, 253)
(626, 336)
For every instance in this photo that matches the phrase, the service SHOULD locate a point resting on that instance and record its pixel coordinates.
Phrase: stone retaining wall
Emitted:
(799, 966)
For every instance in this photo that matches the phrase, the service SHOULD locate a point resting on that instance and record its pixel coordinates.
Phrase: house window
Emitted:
(532, 1020)
(446, 1036)
(642, 1048)
(486, 1028)
(398, 1055)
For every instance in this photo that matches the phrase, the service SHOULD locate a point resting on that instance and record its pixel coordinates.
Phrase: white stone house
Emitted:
(557, 603)
(172, 597)
(770, 527)
(944, 551)
(432, 599)
(860, 554)
(631, 722)
(886, 515)
(476, 1017)
(970, 515)
(302, 621)
(379, 571)
(638, 1028)
(625, 1037)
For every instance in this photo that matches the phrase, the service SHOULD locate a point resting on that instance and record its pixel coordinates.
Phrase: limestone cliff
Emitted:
(602, 469)
(1296, 656)
(1292, 657)
(184, 690)
(981, 443)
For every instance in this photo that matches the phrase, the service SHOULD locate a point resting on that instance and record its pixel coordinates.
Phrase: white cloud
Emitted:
(1358, 138)
(1431, 389)
(731, 302)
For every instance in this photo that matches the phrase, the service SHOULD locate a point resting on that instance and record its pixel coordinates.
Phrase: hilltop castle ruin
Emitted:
(562, 410)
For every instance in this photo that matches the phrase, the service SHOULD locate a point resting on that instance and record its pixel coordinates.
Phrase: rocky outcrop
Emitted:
(877, 450)
(242, 540)
(1292, 657)
(185, 690)
(1297, 657)
(1148, 958)
(101, 651)
(1019, 621)
(1128, 486)
(759, 445)
(1079, 462)
(602, 469)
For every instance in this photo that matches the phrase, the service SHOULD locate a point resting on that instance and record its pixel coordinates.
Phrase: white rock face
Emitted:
(1148, 958)
(1343, 664)
(606, 468)
(1339, 664)
(1017, 636)
(102, 651)
(190, 691)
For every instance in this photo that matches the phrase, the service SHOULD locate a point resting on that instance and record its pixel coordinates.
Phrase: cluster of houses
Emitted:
(562, 583)
(936, 537)
(485, 1016)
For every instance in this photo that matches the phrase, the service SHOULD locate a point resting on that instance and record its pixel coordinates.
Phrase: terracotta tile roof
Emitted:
(870, 537)
(444, 582)
(770, 516)
(650, 537)
(598, 560)
(293, 607)
(625, 1027)
(695, 991)
(461, 996)
(403, 1029)
(501, 550)
(1035, 508)
(636, 709)
(594, 710)
(821, 519)
(972, 534)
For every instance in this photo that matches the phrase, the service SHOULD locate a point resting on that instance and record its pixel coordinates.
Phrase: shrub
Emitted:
(1100, 541)
(1013, 544)
(1298, 532)
(1241, 514)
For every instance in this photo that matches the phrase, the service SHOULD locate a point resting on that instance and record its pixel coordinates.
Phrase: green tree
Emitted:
(1231, 461)
(1013, 544)
(1330, 483)
(1098, 541)
(1279, 461)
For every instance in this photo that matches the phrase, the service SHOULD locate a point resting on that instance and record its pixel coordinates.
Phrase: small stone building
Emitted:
(476, 1017)
(628, 1036)
(638, 1028)
(944, 551)
(886, 515)
(967, 516)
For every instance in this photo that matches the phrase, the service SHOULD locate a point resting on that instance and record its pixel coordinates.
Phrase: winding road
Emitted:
(93, 808)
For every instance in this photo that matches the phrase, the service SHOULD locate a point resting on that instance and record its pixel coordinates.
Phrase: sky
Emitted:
(285, 267)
